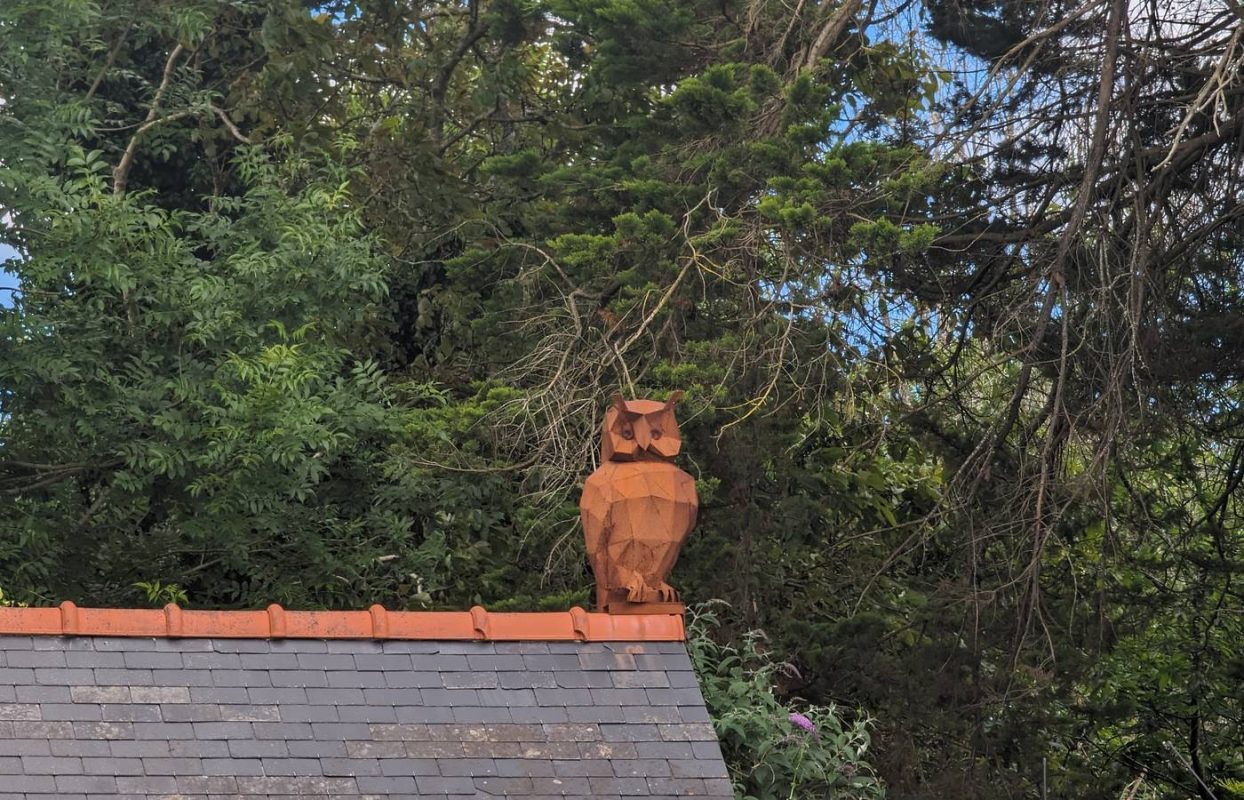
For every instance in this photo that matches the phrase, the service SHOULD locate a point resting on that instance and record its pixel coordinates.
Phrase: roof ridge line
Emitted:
(376, 622)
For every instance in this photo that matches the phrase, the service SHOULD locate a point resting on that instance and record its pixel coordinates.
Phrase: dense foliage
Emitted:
(319, 304)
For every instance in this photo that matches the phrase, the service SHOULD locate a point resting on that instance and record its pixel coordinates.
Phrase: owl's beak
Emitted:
(643, 436)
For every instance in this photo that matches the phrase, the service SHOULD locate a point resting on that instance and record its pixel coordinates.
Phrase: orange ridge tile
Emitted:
(376, 622)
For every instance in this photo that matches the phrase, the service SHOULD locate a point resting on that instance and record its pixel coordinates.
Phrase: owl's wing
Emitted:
(686, 509)
(594, 511)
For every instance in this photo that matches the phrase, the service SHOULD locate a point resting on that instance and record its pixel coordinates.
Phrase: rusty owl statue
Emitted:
(637, 508)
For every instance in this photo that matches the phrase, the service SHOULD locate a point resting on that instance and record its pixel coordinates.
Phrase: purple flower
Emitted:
(802, 721)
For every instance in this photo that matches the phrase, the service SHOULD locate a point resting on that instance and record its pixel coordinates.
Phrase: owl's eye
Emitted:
(627, 433)
(656, 433)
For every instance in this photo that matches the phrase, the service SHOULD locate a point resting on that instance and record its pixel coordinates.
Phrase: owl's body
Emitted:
(636, 516)
(637, 508)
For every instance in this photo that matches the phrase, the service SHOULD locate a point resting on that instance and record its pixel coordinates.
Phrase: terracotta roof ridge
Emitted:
(376, 622)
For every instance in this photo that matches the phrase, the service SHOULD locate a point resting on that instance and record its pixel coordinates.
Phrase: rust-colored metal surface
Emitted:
(638, 508)
(375, 623)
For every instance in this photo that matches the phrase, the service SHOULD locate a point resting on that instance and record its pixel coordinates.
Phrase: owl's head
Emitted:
(636, 430)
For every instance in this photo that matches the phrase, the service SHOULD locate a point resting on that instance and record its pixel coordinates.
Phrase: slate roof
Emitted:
(91, 716)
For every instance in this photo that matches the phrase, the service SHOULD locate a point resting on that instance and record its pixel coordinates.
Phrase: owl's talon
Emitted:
(667, 593)
(635, 590)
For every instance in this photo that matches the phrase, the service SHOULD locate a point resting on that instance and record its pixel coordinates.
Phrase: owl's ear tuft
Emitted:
(619, 403)
(674, 398)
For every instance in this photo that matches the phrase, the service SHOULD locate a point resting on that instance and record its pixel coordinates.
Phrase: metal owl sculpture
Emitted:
(637, 508)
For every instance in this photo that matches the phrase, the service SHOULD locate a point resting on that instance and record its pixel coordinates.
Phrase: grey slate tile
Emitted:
(250, 713)
(379, 662)
(112, 766)
(269, 661)
(494, 662)
(232, 766)
(207, 784)
(91, 659)
(87, 730)
(255, 677)
(540, 714)
(110, 676)
(79, 747)
(527, 680)
(36, 658)
(256, 748)
(439, 785)
(25, 747)
(147, 784)
(709, 750)
(563, 697)
(467, 767)
(606, 661)
(34, 784)
(578, 679)
(41, 694)
(159, 694)
(130, 712)
(375, 749)
(58, 676)
(308, 713)
(86, 783)
(640, 680)
(627, 787)
(11, 676)
(184, 645)
(667, 750)
(182, 677)
(697, 768)
(325, 661)
(619, 697)
(506, 698)
(290, 766)
(310, 748)
(195, 748)
(20, 711)
(367, 714)
(153, 660)
(51, 765)
(355, 679)
(664, 662)
(273, 695)
(145, 748)
(212, 660)
(651, 714)
(401, 786)
(99, 694)
(481, 714)
(583, 768)
(438, 662)
(70, 711)
(223, 694)
(287, 730)
(9, 642)
(173, 766)
(334, 696)
(559, 661)
(527, 767)
(222, 730)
